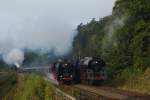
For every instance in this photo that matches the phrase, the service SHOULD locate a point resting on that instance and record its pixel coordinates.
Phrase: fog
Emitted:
(48, 24)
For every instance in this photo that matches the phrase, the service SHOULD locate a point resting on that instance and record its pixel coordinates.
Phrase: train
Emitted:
(89, 70)
(62, 70)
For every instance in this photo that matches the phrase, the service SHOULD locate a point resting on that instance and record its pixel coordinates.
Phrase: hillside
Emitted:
(122, 39)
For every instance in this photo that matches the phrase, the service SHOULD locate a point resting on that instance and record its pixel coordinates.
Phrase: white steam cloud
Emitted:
(41, 33)
(37, 33)
(110, 29)
(116, 24)
(44, 24)
(14, 57)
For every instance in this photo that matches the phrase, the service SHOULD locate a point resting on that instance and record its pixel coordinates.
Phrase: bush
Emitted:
(138, 82)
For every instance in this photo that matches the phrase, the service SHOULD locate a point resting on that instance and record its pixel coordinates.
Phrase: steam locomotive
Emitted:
(63, 71)
(89, 70)
(92, 70)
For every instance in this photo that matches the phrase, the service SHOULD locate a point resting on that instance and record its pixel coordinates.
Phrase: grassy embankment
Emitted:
(138, 82)
(7, 84)
(25, 87)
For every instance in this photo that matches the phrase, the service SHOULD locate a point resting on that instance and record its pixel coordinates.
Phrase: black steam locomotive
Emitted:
(92, 70)
(63, 71)
(89, 70)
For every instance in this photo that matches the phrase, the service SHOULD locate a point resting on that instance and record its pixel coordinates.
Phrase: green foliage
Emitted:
(29, 57)
(7, 83)
(3, 66)
(138, 82)
(33, 58)
(34, 88)
(26, 87)
(122, 39)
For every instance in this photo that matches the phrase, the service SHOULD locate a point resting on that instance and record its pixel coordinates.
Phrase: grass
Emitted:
(7, 83)
(29, 87)
(34, 87)
(138, 82)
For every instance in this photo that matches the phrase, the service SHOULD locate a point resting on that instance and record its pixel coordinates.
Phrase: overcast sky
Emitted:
(46, 23)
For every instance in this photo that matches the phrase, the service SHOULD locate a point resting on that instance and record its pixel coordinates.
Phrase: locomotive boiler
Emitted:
(92, 70)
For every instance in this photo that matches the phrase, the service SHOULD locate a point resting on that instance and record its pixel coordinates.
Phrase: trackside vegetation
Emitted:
(28, 87)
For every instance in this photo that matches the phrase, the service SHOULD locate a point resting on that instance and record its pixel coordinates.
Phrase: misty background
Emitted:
(45, 24)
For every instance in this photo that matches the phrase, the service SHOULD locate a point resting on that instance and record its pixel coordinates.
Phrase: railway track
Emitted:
(86, 92)
(60, 95)
(83, 92)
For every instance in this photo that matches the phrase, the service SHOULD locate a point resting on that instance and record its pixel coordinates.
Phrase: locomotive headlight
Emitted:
(61, 76)
(71, 76)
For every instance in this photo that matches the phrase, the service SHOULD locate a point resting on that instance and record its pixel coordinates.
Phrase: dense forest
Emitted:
(122, 39)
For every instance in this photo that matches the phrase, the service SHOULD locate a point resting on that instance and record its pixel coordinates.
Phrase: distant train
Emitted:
(89, 70)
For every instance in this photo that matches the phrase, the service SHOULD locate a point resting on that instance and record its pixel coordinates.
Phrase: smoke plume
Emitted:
(14, 57)
(110, 29)
(45, 24)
